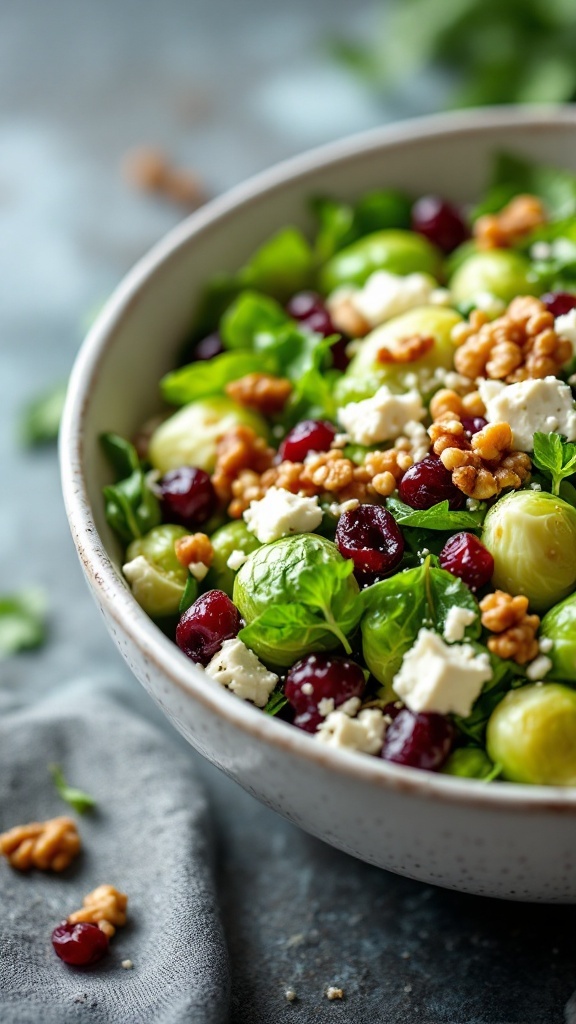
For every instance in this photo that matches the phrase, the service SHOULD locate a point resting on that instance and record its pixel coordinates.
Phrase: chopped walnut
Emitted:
(515, 630)
(150, 170)
(345, 317)
(104, 906)
(521, 344)
(46, 845)
(239, 449)
(484, 466)
(448, 403)
(196, 547)
(406, 350)
(261, 391)
(518, 218)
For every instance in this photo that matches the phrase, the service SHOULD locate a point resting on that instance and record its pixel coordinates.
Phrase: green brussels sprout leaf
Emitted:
(554, 456)
(40, 418)
(190, 594)
(22, 621)
(471, 763)
(131, 507)
(80, 801)
(276, 702)
(438, 517)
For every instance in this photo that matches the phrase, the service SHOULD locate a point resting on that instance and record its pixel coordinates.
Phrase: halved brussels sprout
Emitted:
(156, 577)
(559, 625)
(400, 252)
(532, 734)
(365, 373)
(188, 438)
(500, 272)
(532, 537)
(232, 537)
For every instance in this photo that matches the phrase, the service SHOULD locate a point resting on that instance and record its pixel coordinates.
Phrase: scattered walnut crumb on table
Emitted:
(46, 845)
(104, 906)
(150, 170)
(290, 995)
(334, 993)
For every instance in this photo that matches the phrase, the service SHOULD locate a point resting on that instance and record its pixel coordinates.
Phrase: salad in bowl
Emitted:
(356, 507)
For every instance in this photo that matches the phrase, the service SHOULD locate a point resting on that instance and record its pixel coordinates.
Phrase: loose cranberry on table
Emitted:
(319, 677)
(187, 496)
(418, 740)
(370, 536)
(307, 436)
(559, 303)
(309, 309)
(465, 556)
(206, 624)
(79, 944)
(428, 482)
(440, 222)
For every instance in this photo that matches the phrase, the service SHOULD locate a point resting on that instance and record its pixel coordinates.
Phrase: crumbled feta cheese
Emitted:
(435, 676)
(334, 993)
(280, 513)
(127, 965)
(528, 406)
(236, 559)
(198, 570)
(326, 706)
(307, 689)
(454, 380)
(382, 417)
(489, 304)
(456, 622)
(545, 644)
(364, 733)
(565, 326)
(238, 668)
(535, 486)
(538, 668)
(337, 508)
(540, 251)
(418, 440)
(472, 504)
(340, 441)
(440, 297)
(350, 706)
(385, 295)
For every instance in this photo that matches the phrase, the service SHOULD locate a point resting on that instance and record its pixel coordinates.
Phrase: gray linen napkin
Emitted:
(149, 837)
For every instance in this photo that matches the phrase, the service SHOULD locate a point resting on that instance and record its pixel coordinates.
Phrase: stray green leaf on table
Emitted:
(80, 801)
(22, 621)
(40, 418)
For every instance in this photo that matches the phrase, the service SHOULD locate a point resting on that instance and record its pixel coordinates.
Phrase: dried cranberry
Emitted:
(464, 556)
(370, 536)
(559, 303)
(79, 944)
(418, 740)
(322, 676)
(308, 720)
(188, 497)
(428, 482)
(309, 309)
(307, 436)
(208, 347)
(206, 624)
(439, 222)
(472, 424)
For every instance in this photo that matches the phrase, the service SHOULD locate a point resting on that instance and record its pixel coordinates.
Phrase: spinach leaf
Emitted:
(202, 379)
(554, 456)
(276, 702)
(439, 517)
(513, 174)
(250, 314)
(445, 591)
(190, 594)
(281, 266)
(80, 801)
(505, 676)
(22, 621)
(131, 508)
(341, 223)
(40, 419)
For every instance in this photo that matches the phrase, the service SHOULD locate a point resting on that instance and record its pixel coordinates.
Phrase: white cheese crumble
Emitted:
(326, 706)
(565, 326)
(364, 733)
(545, 644)
(236, 559)
(382, 417)
(198, 570)
(538, 668)
(472, 504)
(385, 295)
(456, 622)
(435, 676)
(127, 965)
(237, 667)
(489, 304)
(307, 689)
(530, 405)
(280, 513)
(337, 508)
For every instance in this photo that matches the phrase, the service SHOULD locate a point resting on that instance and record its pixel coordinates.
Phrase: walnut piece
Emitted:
(239, 449)
(345, 317)
(406, 350)
(515, 630)
(519, 217)
(196, 547)
(261, 391)
(104, 906)
(46, 845)
(484, 466)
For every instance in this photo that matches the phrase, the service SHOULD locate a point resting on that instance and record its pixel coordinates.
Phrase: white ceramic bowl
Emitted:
(501, 840)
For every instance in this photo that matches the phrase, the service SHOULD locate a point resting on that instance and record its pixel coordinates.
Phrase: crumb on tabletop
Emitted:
(127, 965)
(290, 995)
(150, 170)
(332, 992)
(46, 845)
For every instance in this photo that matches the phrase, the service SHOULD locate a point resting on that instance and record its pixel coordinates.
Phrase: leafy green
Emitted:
(190, 594)
(471, 763)
(554, 456)
(40, 419)
(276, 702)
(513, 174)
(22, 621)
(131, 508)
(341, 223)
(80, 801)
(505, 675)
(204, 379)
(438, 517)
(251, 314)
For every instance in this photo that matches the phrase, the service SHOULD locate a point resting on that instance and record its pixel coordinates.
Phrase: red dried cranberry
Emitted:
(472, 424)
(439, 222)
(304, 305)
(208, 347)
(418, 740)
(428, 482)
(340, 358)
(308, 721)
(307, 436)
(370, 536)
(188, 497)
(309, 309)
(322, 676)
(464, 556)
(206, 624)
(559, 303)
(79, 944)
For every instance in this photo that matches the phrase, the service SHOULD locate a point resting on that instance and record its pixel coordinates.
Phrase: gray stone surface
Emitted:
(228, 88)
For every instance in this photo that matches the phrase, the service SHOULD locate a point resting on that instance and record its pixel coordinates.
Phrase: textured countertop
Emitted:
(226, 88)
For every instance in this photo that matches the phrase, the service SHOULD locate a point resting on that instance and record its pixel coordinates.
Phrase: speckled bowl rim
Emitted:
(102, 575)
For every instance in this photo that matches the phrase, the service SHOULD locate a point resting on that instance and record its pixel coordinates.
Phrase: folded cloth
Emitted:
(149, 837)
